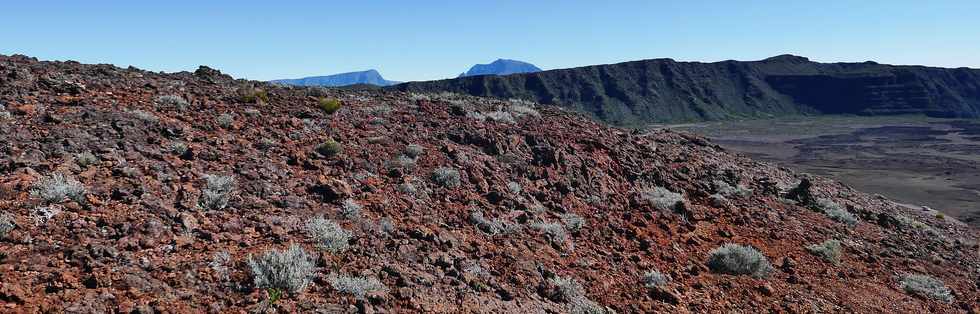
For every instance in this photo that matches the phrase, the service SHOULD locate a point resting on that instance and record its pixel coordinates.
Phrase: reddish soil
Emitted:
(139, 243)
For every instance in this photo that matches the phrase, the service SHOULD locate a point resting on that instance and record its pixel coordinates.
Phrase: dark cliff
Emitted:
(664, 90)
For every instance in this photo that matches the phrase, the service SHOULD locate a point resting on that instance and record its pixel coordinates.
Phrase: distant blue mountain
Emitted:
(343, 79)
(501, 67)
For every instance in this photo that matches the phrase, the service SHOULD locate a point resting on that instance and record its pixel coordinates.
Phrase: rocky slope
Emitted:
(124, 190)
(369, 77)
(664, 90)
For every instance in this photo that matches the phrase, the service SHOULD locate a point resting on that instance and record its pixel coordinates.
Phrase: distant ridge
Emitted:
(371, 77)
(668, 91)
(501, 67)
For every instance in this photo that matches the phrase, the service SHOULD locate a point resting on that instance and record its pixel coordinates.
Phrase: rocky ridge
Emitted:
(638, 93)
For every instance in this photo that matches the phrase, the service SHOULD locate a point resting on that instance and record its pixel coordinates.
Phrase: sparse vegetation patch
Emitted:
(654, 279)
(57, 188)
(835, 211)
(216, 192)
(446, 177)
(737, 259)
(329, 148)
(329, 105)
(926, 286)
(829, 250)
(359, 287)
(7, 224)
(663, 199)
(328, 234)
(288, 270)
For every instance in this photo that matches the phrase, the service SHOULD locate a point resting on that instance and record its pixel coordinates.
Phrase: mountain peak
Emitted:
(501, 67)
(370, 76)
(787, 58)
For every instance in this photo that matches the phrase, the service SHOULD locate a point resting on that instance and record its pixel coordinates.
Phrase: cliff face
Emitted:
(664, 90)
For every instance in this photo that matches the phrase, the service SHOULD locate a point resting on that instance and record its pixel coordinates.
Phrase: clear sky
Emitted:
(420, 40)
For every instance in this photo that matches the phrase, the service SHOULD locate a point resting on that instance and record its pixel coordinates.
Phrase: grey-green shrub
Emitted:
(514, 187)
(654, 279)
(414, 150)
(555, 231)
(402, 162)
(408, 188)
(172, 101)
(725, 189)
(835, 211)
(287, 270)
(446, 177)
(216, 192)
(573, 294)
(350, 209)
(662, 198)
(492, 226)
(926, 286)
(328, 235)
(829, 250)
(225, 120)
(178, 148)
(737, 259)
(356, 286)
(7, 224)
(58, 188)
(573, 222)
(86, 159)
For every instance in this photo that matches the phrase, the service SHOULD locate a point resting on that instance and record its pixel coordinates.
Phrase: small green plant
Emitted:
(829, 250)
(274, 295)
(329, 105)
(737, 259)
(330, 148)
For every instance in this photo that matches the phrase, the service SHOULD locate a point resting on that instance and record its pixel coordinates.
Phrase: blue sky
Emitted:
(419, 40)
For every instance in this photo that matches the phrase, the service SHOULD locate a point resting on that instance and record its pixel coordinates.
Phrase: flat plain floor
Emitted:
(915, 160)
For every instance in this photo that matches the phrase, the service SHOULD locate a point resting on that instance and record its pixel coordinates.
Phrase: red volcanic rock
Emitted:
(534, 209)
